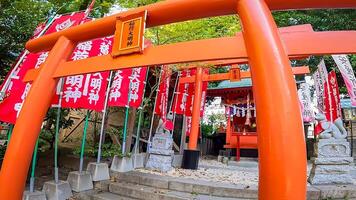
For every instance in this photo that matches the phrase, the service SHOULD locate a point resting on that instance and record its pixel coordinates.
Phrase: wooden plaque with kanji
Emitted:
(129, 34)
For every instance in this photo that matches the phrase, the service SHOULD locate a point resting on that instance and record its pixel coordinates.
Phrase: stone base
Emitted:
(332, 164)
(57, 191)
(80, 182)
(36, 195)
(244, 163)
(220, 158)
(333, 161)
(162, 163)
(225, 160)
(328, 148)
(121, 164)
(139, 160)
(177, 161)
(98, 171)
(327, 179)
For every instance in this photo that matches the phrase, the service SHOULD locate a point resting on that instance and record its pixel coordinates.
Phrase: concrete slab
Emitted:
(139, 160)
(57, 191)
(313, 193)
(177, 161)
(80, 181)
(124, 164)
(98, 171)
(102, 185)
(336, 191)
(36, 195)
(243, 163)
(109, 196)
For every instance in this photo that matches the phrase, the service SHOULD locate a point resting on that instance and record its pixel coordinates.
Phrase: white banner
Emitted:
(319, 90)
(305, 101)
(347, 73)
(323, 71)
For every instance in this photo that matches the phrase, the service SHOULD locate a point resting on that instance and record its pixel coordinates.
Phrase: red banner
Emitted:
(162, 95)
(332, 98)
(119, 89)
(137, 86)
(335, 95)
(188, 125)
(17, 90)
(185, 95)
(180, 99)
(87, 91)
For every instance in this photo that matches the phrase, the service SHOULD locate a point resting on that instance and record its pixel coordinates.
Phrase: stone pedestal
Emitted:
(177, 161)
(57, 191)
(36, 195)
(161, 153)
(139, 160)
(98, 171)
(80, 181)
(332, 163)
(123, 164)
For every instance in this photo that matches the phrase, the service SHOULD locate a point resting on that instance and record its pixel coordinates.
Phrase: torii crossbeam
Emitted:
(282, 161)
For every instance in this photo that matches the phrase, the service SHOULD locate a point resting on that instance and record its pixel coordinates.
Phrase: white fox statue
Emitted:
(331, 130)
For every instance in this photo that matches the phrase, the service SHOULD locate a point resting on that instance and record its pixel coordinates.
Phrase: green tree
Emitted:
(19, 18)
(321, 20)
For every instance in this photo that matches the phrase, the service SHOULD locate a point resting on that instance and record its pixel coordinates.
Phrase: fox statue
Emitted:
(331, 129)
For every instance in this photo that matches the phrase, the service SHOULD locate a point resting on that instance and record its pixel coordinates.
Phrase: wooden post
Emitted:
(194, 134)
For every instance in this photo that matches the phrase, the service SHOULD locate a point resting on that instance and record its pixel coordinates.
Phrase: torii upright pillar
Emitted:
(14, 168)
(191, 155)
(281, 142)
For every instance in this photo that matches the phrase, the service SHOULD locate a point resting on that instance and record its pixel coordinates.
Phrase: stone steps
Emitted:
(188, 186)
(143, 192)
(139, 185)
(110, 196)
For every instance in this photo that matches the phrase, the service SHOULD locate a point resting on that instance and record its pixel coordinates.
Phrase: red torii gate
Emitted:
(282, 175)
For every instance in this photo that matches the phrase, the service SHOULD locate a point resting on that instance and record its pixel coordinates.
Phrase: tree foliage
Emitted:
(19, 18)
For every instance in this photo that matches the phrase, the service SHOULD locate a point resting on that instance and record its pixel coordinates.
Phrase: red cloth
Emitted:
(18, 90)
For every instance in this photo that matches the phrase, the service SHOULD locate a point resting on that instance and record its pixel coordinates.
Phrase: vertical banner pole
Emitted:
(183, 136)
(153, 113)
(34, 160)
(83, 141)
(140, 116)
(127, 109)
(9, 132)
(103, 118)
(56, 145)
(57, 133)
(125, 129)
(174, 91)
(175, 97)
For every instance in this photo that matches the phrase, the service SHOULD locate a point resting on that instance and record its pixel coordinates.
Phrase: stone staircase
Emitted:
(136, 185)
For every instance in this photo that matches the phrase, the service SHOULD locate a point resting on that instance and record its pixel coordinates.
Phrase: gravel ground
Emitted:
(211, 170)
(246, 173)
